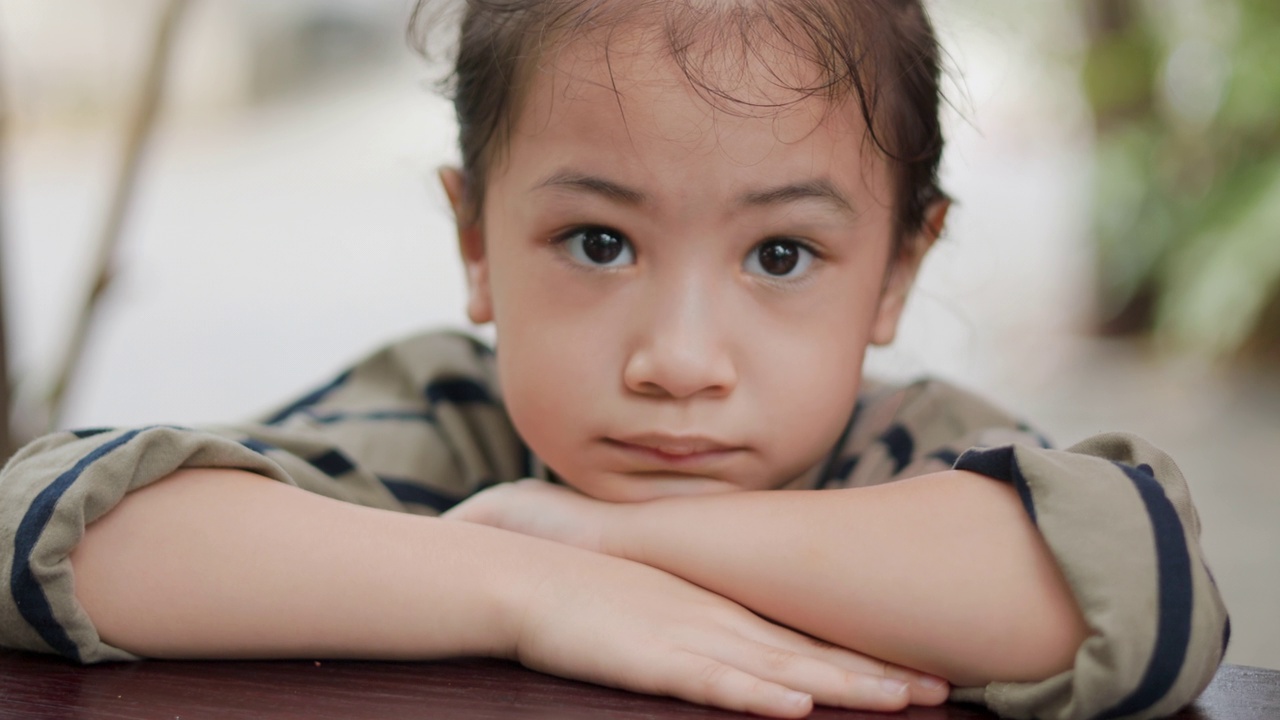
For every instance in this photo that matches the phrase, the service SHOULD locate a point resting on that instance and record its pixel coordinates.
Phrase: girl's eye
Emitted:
(599, 247)
(779, 259)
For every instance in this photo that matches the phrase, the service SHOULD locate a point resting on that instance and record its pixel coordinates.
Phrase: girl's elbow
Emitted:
(1025, 644)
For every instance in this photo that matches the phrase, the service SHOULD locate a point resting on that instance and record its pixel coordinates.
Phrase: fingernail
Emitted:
(930, 682)
(893, 687)
(798, 699)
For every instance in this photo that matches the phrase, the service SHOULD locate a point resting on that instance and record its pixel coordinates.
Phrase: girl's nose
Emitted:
(680, 350)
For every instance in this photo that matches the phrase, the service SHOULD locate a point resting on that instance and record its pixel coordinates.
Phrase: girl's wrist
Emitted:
(519, 591)
(508, 570)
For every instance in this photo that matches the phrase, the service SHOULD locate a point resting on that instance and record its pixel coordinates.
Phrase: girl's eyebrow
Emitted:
(594, 185)
(820, 189)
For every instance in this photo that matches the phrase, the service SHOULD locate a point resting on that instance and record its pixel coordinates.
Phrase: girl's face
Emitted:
(683, 296)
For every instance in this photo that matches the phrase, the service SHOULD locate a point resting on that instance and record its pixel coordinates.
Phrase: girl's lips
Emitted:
(671, 450)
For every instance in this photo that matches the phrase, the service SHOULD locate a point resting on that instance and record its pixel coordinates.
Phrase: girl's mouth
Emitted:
(666, 451)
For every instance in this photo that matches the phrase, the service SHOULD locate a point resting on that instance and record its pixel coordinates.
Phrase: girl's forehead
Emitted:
(634, 82)
(626, 114)
(723, 70)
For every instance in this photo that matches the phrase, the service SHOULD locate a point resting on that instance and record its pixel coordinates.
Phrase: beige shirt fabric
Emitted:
(419, 426)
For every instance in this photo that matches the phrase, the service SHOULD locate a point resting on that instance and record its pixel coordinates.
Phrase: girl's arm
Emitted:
(223, 563)
(943, 573)
(980, 576)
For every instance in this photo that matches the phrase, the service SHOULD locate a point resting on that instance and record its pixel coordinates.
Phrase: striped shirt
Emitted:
(419, 426)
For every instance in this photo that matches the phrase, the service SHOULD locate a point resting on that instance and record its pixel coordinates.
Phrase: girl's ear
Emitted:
(470, 246)
(902, 273)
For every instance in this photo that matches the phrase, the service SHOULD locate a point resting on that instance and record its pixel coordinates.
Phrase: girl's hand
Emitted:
(623, 624)
(642, 629)
(537, 508)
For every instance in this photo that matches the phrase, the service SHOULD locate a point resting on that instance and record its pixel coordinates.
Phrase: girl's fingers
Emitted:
(707, 681)
(827, 683)
(924, 689)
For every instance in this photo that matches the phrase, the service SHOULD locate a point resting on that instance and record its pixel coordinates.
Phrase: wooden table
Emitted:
(35, 687)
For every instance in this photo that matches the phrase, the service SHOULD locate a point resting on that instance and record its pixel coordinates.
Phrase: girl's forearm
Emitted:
(214, 563)
(218, 563)
(944, 573)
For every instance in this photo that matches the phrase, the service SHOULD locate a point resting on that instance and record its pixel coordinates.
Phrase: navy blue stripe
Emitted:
(28, 595)
(526, 461)
(900, 445)
(1226, 621)
(995, 463)
(410, 492)
(480, 349)
(828, 475)
(842, 472)
(1040, 439)
(1173, 634)
(89, 432)
(946, 455)
(458, 391)
(308, 400)
(333, 463)
(858, 407)
(1001, 464)
(258, 446)
(375, 416)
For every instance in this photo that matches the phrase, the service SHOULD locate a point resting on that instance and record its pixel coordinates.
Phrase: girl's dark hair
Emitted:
(881, 53)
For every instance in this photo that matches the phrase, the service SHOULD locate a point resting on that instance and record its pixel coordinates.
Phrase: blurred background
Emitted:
(1113, 261)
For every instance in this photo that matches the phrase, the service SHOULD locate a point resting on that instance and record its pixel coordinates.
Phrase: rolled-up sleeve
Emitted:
(1116, 514)
(416, 427)
(55, 487)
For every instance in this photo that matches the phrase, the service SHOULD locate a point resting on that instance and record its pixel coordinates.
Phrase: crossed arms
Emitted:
(942, 574)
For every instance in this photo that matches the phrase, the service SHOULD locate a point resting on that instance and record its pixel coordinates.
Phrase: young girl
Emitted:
(687, 220)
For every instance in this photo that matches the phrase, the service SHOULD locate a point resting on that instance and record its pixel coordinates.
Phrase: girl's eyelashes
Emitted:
(597, 247)
(779, 259)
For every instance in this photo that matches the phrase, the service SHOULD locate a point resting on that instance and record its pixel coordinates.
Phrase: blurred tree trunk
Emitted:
(137, 138)
(8, 443)
(1119, 74)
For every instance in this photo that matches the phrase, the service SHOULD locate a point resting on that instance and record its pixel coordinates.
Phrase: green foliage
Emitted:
(1186, 96)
